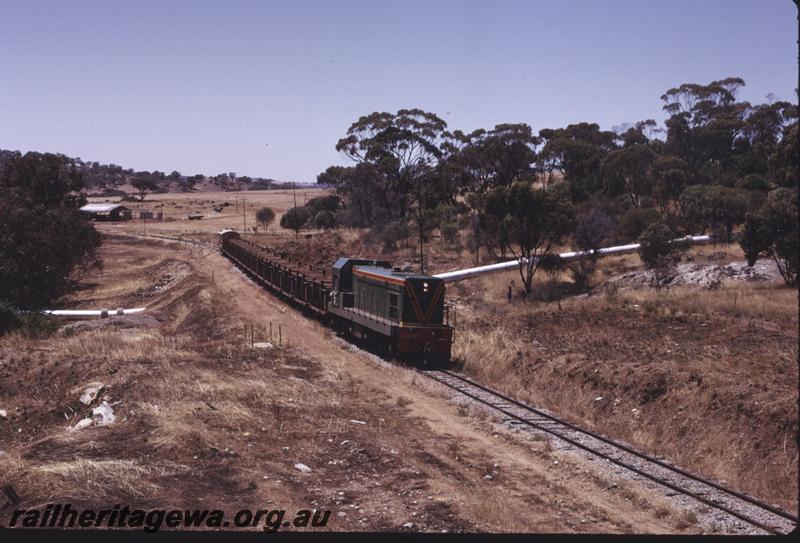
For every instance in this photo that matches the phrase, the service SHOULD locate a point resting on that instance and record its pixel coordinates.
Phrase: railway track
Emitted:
(763, 516)
(737, 505)
(198, 243)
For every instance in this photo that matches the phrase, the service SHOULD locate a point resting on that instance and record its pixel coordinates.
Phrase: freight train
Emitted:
(402, 314)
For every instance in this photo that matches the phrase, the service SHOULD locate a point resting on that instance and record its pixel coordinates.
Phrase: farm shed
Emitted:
(106, 212)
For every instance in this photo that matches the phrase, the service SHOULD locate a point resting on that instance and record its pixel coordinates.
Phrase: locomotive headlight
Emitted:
(425, 287)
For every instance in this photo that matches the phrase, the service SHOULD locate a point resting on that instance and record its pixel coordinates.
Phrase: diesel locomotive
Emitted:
(401, 313)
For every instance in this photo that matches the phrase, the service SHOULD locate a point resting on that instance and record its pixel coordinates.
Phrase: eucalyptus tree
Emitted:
(530, 222)
(704, 125)
(575, 153)
(404, 150)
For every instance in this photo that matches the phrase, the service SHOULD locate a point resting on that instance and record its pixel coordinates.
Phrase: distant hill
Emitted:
(113, 180)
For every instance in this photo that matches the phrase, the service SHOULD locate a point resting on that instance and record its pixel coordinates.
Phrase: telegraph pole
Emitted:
(297, 226)
(419, 225)
(244, 219)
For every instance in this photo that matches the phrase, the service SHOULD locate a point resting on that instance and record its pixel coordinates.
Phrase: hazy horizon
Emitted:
(267, 89)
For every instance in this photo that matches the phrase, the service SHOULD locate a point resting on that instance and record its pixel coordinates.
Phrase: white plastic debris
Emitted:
(302, 467)
(3, 413)
(598, 398)
(354, 421)
(263, 345)
(91, 392)
(81, 424)
(103, 414)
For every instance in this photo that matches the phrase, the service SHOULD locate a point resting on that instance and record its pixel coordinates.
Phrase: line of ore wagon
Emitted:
(398, 312)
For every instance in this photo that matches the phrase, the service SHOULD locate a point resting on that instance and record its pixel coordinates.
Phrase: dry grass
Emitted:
(684, 373)
(201, 412)
(177, 206)
(766, 302)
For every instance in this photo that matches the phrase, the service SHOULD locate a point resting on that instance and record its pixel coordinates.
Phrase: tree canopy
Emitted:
(42, 234)
(715, 159)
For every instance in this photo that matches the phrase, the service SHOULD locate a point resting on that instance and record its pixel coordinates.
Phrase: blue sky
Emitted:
(267, 88)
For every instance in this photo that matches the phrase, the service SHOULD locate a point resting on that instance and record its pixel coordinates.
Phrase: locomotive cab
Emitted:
(342, 279)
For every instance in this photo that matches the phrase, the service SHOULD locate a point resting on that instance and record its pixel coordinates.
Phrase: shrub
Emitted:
(551, 263)
(753, 181)
(582, 271)
(265, 216)
(593, 230)
(323, 203)
(658, 242)
(635, 221)
(295, 218)
(325, 219)
(659, 250)
(42, 234)
(772, 232)
(347, 217)
(8, 318)
(389, 234)
(450, 234)
(715, 207)
(36, 326)
(38, 249)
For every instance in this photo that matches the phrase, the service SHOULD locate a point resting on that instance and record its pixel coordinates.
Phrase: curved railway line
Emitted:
(745, 508)
(759, 514)
(198, 243)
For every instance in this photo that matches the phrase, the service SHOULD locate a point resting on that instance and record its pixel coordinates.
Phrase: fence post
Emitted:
(454, 324)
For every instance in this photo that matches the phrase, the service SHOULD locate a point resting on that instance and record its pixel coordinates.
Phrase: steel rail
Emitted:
(642, 456)
(199, 243)
(184, 240)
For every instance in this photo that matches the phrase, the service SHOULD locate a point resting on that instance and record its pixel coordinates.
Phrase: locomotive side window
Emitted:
(393, 299)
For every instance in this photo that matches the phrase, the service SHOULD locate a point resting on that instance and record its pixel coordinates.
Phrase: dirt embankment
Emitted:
(706, 377)
(204, 420)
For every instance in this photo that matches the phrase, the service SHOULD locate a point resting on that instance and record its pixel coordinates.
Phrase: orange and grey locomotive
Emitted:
(383, 306)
